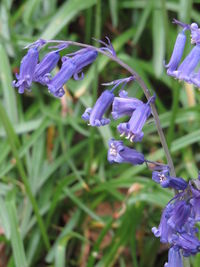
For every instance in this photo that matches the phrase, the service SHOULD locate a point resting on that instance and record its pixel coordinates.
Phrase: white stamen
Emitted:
(129, 135)
(122, 134)
(132, 137)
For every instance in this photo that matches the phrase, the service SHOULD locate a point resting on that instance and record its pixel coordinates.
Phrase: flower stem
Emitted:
(145, 90)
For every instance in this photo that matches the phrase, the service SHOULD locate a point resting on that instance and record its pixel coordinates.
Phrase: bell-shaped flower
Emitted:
(176, 54)
(165, 180)
(179, 215)
(95, 115)
(124, 105)
(119, 153)
(81, 59)
(189, 243)
(45, 66)
(164, 231)
(55, 85)
(133, 128)
(195, 33)
(27, 69)
(174, 258)
(187, 67)
(195, 79)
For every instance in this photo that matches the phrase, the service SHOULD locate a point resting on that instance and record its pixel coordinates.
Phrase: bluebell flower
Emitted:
(193, 28)
(187, 67)
(176, 54)
(133, 128)
(164, 231)
(195, 33)
(174, 258)
(27, 69)
(178, 223)
(165, 180)
(179, 215)
(119, 153)
(45, 66)
(124, 105)
(95, 115)
(67, 70)
(195, 79)
(188, 243)
(81, 59)
(71, 66)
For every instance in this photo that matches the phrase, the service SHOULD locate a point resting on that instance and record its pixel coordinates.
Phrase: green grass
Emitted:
(62, 203)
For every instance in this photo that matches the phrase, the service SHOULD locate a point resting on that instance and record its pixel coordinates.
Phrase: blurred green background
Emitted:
(61, 202)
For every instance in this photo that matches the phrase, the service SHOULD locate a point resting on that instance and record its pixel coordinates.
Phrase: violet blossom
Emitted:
(133, 128)
(119, 153)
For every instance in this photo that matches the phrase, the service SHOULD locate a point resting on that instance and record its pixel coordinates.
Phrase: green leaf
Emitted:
(29, 9)
(16, 239)
(114, 12)
(6, 81)
(67, 12)
(158, 41)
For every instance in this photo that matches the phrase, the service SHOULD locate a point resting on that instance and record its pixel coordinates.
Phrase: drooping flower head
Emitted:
(81, 59)
(119, 153)
(47, 64)
(187, 67)
(165, 180)
(178, 224)
(95, 115)
(124, 105)
(186, 70)
(176, 54)
(174, 258)
(133, 128)
(55, 85)
(27, 67)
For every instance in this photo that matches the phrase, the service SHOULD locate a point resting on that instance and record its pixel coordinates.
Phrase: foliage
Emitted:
(89, 213)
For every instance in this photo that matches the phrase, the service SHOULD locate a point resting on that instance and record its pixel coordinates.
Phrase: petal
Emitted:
(177, 52)
(101, 106)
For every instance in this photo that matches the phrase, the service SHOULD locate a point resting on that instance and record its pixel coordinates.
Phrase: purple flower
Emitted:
(174, 258)
(95, 115)
(189, 243)
(165, 180)
(71, 66)
(46, 65)
(178, 223)
(188, 65)
(195, 79)
(177, 53)
(194, 29)
(124, 105)
(81, 59)
(27, 69)
(179, 216)
(164, 231)
(133, 128)
(119, 153)
(195, 33)
(67, 70)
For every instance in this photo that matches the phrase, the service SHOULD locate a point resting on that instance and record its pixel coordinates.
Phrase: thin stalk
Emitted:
(8, 129)
(145, 90)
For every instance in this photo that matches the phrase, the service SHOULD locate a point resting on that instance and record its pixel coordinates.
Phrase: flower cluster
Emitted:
(186, 71)
(34, 70)
(137, 111)
(178, 222)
